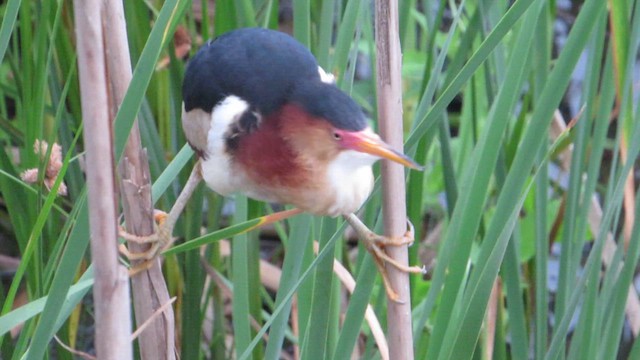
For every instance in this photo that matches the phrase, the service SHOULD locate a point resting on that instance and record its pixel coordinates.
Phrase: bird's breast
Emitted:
(253, 160)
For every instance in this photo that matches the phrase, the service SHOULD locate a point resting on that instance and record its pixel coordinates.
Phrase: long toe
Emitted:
(138, 239)
(406, 239)
(158, 241)
(148, 254)
(140, 267)
(375, 253)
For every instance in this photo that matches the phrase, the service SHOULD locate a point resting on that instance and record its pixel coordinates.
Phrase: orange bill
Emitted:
(369, 142)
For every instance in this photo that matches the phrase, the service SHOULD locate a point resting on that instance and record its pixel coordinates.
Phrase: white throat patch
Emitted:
(351, 177)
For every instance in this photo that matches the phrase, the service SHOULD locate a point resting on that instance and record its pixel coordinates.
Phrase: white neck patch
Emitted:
(216, 169)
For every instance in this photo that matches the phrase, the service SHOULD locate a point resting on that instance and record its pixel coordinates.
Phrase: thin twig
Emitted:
(153, 317)
(75, 352)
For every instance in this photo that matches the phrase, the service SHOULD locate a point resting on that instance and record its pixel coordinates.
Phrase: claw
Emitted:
(159, 240)
(137, 238)
(406, 239)
(160, 216)
(375, 245)
(162, 238)
(138, 268)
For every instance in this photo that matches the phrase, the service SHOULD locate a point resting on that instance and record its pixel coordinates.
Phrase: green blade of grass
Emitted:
(33, 308)
(468, 321)
(356, 310)
(290, 273)
(541, 64)
(488, 45)
(36, 232)
(246, 13)
(169, 174)
(240, 270)
(324, 252)
(8, 22)
(482, 277)
(467, 213)
(425, 121)
(578, 200)
(541, 263)
(325, 33)
(617, 302)
(233, 230)
(593, 261)
(162, 29)
(511, 275)
(316, 333)
(225, 17)
(302, 23)
(344, 37)
(77, 244)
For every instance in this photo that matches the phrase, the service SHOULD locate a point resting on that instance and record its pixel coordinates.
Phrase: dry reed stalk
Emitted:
(150, 291)
(389, 90)
(110, 290)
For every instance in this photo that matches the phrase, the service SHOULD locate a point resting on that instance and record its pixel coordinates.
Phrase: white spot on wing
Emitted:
(216, 169)
(326, 77)
(351, 177)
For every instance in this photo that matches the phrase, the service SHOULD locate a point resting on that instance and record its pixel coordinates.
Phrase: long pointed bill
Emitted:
(369, 142)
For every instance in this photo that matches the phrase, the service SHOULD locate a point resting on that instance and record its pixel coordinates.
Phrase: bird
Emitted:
(265, 120)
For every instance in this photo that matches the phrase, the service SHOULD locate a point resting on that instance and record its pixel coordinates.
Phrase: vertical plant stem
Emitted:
(149, 288)
(111, 291)
(388, 66)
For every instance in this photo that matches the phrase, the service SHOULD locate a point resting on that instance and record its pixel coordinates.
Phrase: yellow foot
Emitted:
(381, 258)
(139, 267)
(158, 241)
(375, 244)
(378, 242)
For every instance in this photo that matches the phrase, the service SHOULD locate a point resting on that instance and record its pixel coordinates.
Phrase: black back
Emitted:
(258, 65)
(267, 69)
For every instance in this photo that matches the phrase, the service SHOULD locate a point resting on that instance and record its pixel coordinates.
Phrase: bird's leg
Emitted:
(162, 236)
(375, 245)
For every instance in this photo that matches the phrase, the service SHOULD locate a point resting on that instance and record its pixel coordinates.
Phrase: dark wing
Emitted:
(260, 66)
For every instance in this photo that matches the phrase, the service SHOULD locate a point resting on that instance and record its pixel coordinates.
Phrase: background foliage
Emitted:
(534, 225)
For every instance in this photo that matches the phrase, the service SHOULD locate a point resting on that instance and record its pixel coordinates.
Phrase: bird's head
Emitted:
(326, 123)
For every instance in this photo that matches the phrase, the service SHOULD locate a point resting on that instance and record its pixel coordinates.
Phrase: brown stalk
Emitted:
(389, 88)
(149, 288)
(110, 291)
